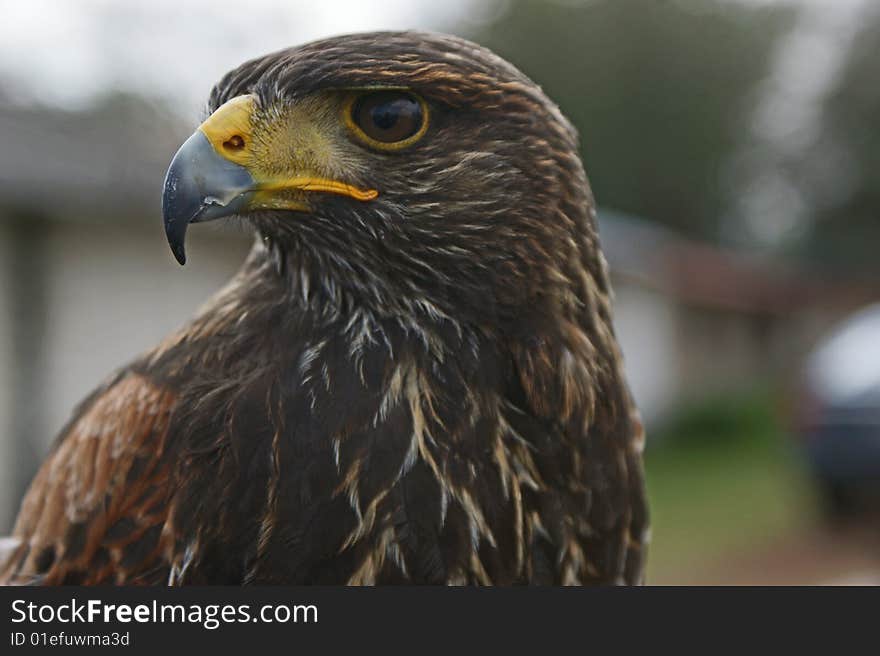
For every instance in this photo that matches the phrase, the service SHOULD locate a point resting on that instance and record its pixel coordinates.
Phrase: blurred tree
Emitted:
(660, 90)
(840, 174)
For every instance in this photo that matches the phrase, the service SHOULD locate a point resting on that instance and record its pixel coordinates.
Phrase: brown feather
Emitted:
(95, 510)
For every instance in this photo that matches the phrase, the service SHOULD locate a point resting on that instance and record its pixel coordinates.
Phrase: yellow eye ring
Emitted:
(364, 105)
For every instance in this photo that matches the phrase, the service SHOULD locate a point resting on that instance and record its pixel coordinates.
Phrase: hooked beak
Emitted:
(216, 173)
(201, 185)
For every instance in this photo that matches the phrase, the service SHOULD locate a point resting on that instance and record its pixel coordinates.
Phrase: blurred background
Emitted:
(733, 147)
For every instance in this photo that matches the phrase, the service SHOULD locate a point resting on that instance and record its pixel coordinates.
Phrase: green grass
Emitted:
(716, 497)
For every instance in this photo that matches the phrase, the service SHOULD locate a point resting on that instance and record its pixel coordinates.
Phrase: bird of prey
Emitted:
(413, 378)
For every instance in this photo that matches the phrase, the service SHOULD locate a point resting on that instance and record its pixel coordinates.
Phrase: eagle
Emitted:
(413, 378)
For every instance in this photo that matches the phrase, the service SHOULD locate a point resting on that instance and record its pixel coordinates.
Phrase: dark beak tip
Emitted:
(175, 233)
(179, 255)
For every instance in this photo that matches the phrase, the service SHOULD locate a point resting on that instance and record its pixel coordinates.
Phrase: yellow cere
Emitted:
(229, 129)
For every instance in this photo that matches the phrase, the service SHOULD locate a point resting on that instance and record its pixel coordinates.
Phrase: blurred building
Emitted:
(696, 321)
(87, 281)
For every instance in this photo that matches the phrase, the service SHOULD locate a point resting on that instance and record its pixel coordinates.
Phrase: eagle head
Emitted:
(415, 171)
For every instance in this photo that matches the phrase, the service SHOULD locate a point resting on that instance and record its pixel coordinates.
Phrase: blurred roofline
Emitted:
(699, 273)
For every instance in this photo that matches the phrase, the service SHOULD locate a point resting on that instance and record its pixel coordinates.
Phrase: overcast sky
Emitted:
(67, 51)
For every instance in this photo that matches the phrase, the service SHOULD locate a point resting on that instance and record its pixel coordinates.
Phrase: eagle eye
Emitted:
(388, 120)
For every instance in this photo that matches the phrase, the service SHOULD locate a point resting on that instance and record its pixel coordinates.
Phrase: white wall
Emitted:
(646, 323)
(113, 292)
(7, 380)
(116, 292)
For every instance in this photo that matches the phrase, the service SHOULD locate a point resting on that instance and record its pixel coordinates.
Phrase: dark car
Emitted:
(840, 414)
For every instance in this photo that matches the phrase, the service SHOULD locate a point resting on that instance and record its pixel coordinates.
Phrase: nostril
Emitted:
(235, 142)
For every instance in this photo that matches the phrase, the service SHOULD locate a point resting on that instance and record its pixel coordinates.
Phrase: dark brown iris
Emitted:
(388, 116)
